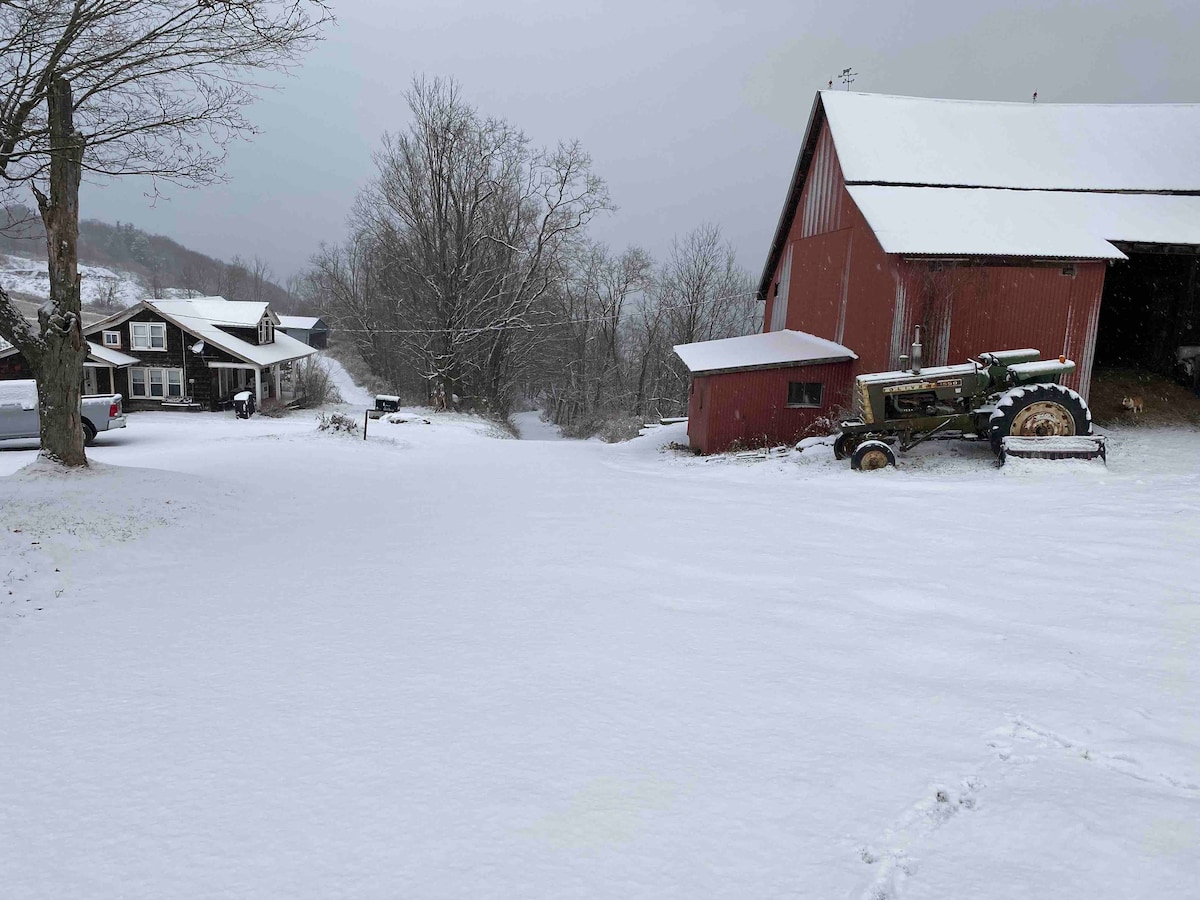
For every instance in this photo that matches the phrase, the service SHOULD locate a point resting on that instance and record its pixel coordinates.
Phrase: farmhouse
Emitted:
(1070, 228)
(197, 353)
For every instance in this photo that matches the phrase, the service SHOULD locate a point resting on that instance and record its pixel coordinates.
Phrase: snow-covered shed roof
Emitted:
(886, 139)
(760, 351)
(300, 323)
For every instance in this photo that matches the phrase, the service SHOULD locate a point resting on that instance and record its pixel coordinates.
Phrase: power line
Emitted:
(532, 325)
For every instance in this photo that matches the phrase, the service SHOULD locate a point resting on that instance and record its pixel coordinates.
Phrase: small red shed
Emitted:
(763, 389)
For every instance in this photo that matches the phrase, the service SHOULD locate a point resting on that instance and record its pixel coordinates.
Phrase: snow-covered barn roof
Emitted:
(884, 139)
(964, 177)
(760, 351)
(1060, 224)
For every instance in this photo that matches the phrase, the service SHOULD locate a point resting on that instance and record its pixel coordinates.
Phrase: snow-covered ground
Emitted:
(350, 392)
(244, 659)
(532, 427)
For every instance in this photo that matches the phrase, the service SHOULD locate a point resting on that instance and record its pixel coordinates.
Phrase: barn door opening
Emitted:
(1150, 309)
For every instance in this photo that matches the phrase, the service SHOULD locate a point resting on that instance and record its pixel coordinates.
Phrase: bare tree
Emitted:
(119, 87)
(260, 276)
(462, 232)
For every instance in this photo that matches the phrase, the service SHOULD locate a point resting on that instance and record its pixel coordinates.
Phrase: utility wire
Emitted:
(529, 326)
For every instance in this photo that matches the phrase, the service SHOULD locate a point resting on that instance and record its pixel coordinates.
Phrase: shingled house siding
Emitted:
(177, 355)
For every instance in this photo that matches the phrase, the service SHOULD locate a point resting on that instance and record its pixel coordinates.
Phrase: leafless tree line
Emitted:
(469, 269)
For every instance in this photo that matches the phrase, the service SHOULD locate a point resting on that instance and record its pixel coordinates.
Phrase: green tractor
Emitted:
(1009, 398)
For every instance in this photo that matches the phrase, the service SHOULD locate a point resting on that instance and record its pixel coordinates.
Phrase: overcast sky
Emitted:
(693, 110)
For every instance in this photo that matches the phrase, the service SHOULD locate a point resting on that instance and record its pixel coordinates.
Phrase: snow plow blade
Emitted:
(1078, 447)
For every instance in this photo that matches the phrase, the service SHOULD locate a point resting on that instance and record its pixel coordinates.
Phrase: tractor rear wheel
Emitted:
(872, 455)
(844, 444)
(1040, 410)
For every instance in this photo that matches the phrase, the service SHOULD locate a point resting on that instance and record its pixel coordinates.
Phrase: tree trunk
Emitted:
(58, 364)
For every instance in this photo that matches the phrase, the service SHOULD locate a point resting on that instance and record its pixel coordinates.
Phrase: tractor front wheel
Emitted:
(1040, 410)
(872, 455)
(844, 445)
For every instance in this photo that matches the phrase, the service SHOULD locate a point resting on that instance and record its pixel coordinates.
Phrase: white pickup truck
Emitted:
(19, 412)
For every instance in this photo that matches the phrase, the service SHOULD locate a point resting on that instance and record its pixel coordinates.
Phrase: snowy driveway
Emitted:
(437, 664)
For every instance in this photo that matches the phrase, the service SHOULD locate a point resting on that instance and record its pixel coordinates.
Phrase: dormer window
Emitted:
(266, 331)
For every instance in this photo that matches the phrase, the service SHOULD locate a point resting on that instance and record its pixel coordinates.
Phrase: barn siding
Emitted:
(749, 409)
(970, 309)
(822, 201)
(843, 287)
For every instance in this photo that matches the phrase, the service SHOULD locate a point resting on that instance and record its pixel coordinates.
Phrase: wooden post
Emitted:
(366, 417)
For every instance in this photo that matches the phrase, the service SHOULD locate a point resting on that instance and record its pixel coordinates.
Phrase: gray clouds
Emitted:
(693, 111)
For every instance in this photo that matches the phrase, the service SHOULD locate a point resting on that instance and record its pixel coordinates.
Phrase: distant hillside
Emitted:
(127, 263)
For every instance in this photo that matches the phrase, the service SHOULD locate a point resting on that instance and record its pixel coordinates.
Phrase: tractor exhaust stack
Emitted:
(916, 353)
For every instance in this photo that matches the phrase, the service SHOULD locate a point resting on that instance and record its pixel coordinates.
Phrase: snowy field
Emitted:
(248, 660)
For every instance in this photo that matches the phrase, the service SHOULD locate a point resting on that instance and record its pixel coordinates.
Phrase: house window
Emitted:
(266, 331)
(155, 384)
(112, 339)
(148, 336)
(805, 393)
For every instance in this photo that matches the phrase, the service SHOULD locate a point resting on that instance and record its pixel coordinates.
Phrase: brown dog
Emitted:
(1133, 404)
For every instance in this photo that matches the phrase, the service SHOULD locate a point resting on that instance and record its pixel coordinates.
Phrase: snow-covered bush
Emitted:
(616, 429)
(336, 423)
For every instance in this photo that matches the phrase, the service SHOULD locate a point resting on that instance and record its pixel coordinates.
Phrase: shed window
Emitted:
(266, 331)
(148, 336)
(805, 393)
(112, 339)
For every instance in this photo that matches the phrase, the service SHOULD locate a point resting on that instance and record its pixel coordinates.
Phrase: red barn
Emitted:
(1072, 228)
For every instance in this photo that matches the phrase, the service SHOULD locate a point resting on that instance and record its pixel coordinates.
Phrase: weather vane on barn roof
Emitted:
(847, 77)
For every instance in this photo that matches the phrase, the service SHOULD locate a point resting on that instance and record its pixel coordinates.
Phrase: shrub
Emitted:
(619, 428)
(273, 408)
(336, 423)
(312, 384)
